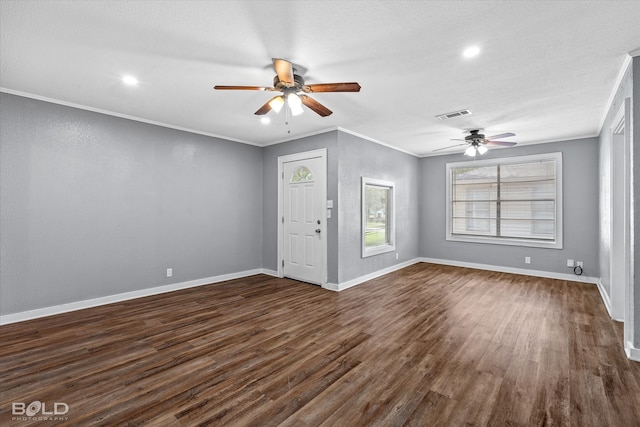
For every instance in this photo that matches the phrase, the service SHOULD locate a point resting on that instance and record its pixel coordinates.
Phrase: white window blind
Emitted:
(506, 200)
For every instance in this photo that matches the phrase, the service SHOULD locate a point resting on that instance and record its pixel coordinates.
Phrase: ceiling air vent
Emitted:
(454, 114)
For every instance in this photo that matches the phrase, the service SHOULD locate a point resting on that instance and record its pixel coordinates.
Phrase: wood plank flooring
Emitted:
(427, 345)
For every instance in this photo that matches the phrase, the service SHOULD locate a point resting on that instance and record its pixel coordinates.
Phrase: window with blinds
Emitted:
(511, 201)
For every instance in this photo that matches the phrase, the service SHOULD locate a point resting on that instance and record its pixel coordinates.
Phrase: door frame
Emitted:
(322, 154)
(618, 209)
(621, 127)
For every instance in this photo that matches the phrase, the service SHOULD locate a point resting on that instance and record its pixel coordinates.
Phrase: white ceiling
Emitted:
(546, 72)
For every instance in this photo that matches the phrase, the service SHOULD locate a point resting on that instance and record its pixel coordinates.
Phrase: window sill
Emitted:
(377, 250)
(555, 244)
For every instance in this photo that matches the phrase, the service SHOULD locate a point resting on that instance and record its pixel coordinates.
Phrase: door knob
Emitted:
(318, 230)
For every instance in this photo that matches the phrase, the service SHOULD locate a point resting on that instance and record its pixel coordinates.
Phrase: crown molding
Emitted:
(623, 70)
(296, 137)
(375, 141)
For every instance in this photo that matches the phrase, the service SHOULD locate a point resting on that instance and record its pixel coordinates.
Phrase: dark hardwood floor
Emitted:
(425, 346)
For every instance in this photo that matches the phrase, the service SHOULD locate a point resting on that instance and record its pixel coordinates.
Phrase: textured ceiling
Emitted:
(546, 70)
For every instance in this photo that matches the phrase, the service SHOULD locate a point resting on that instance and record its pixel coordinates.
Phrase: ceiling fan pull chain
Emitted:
(286, 117)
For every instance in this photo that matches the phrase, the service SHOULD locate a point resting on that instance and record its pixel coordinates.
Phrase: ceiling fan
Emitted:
(294, 91)
(477, 142)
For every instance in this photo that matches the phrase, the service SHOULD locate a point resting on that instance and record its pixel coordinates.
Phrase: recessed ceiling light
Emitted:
(129, 80)
(265, 120)
(471, 52)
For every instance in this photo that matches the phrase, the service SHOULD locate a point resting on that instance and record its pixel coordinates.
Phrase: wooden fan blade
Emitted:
(451, 146)
(284, 70)
(333, 87)
(315, 106)
(501, 143)
(242, 88)
(265, 108)
(502, 135)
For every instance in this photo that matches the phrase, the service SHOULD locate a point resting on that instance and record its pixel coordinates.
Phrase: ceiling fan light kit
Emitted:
(295, 104)
(276, 103)
(474, 149)
(477, 143)
(470, 151)
(294, 90)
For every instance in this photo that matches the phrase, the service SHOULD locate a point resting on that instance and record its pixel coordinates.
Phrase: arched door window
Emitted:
(301, 174)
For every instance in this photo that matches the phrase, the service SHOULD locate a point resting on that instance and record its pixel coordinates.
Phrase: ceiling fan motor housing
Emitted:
(475, 137)
(297, 84)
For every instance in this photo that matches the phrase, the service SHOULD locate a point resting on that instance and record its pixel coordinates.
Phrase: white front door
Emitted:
(304, 219)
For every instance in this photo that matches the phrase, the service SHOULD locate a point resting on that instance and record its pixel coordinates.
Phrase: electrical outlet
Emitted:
(169, 272)
(569, 263)
(397, 256)
(579, 264)
(527, 260)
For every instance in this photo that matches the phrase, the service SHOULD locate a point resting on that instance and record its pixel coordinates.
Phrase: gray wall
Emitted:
(624, 91)
(580, 213)
(358, 158)
(93, 205)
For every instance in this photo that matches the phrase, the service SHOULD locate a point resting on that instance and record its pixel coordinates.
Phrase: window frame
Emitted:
(556, 243)
(390, 217)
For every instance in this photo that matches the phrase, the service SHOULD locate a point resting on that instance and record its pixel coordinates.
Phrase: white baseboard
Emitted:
(269, 272)
(605, 297)
(537, 273)
(632, 352)
(514, 270)
(331, 287)
(353, 282)
(607, 301)
(109, 299)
